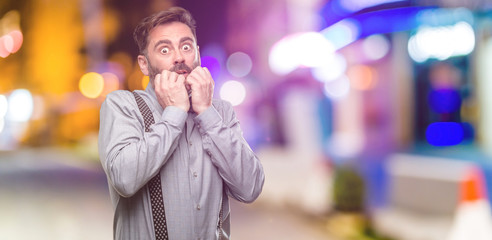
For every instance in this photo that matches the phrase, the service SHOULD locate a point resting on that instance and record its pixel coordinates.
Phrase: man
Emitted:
(194, 146)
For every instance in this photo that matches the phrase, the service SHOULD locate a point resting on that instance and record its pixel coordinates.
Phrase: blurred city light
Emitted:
(441, 42)
(357, 5)
(239, 64)
(310, 49)
(11, 43)
(212, 64)
(436, 17)
(8, 43)
(91, 84)
(342, 33)
(444, 133)
(17, 39)
(11, 40)
(280, 57)
(375, 46)
(233, 91)
(4, 42)
(362, 77)
(20, 106)
(338, 88)
(331, 69)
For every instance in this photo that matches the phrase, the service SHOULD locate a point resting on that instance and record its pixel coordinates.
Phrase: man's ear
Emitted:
(144, 64)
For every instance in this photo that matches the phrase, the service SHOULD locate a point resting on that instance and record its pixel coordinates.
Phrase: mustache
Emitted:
(180, 67)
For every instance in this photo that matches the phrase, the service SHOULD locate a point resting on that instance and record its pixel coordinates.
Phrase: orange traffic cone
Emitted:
(472, 219)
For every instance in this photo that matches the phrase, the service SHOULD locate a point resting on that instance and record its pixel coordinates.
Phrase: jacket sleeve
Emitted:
(239, 167)
(129, 155)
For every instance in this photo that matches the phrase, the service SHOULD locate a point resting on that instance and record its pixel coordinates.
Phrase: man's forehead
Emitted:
(174, 31)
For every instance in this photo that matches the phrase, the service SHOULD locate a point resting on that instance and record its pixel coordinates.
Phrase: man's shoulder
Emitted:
(119, 98)
(118, 95)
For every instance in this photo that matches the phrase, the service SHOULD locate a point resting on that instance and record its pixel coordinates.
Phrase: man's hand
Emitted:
(171, 91)
(202, 89)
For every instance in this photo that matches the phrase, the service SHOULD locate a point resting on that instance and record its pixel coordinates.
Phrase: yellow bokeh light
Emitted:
(91, 84)
(145, 81)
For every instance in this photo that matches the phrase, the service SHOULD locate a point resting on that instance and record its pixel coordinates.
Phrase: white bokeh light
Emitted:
(20, 106)
(465, 42)
(414, 52)
(337, 89)
(342, 33)
(313, 49)
(442, 42)
(310, 49)
(331, 69)
(280, 57)
(239, 64)
(375, 47)
(233, 92)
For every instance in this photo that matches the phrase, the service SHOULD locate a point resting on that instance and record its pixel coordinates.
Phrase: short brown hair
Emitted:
(174, 14)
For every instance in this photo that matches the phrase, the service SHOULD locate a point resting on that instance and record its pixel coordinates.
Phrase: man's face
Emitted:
(172, 47)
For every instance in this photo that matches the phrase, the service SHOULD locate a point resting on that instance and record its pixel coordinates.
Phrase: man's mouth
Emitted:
(180, 68)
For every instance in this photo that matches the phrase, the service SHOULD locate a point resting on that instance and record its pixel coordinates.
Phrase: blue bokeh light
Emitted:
(444, 133)
(212, 64)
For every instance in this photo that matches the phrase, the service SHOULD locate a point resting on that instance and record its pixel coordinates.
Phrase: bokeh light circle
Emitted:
(233, 92)
(3, 50)
(239, 64)
(362, 77)
(212, 64)
(337, 89)
(331, 69)
(375, 47)
(20, 106)
(91, 84)
(17, 38)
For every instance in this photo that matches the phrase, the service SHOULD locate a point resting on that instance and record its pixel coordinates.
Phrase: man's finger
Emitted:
(157, 81)
(180, 79)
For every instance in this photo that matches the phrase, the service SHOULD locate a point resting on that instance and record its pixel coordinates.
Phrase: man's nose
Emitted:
(178, 57)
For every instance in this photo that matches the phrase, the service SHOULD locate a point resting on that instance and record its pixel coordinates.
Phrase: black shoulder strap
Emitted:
(154, 185)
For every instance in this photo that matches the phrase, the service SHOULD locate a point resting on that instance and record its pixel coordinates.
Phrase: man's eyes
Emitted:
(186, 47)
(165, 50)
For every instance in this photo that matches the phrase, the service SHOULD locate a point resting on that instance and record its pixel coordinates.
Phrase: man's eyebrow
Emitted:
(184, 39)
(163, 41)
(166, 41)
